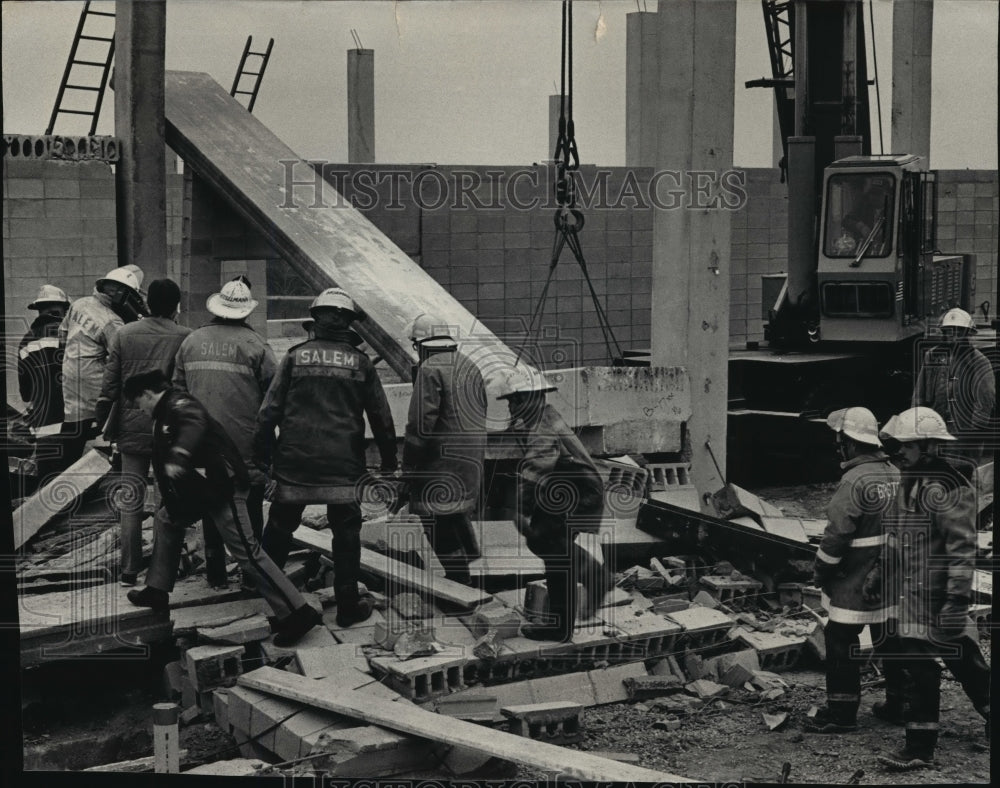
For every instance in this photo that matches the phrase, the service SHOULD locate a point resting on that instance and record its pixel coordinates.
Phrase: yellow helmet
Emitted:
(856, 423)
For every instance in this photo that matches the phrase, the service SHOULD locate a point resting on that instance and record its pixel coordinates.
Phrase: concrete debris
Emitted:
(706, 689)
(419, 643)
(775, 721)
(670, 723)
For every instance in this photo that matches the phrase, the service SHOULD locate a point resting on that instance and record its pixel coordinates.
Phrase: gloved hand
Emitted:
(823, 573)
(871, 589)
(954, 611)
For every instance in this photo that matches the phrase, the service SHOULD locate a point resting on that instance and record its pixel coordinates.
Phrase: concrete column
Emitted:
(360, 106)
(140, 36)
(555, 105)
(912, 28)
(642, 82)
(694, 122)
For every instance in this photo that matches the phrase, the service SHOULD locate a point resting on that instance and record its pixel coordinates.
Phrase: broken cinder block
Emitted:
(209, 667)
(554, 722)
(645, 687)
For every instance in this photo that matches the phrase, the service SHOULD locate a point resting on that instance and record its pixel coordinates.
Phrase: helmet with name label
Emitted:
(333, 298)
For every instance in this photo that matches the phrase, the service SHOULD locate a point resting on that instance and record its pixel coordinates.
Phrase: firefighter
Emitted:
(228, 367)
(560, 493)
(199, 471)
(86, 334)
(39, 363)
(318, 399)
(851, 550)
(956, 380)
(929, 556)
(141, 346)
(445, 444)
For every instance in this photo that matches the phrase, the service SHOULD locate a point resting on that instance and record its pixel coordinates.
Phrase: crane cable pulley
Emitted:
(568, 218)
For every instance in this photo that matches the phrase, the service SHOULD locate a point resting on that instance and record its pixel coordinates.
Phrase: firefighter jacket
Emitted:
(445, 435)
(228, 367)
(86, 333)
(556, 477)
(852, 542)
(184, 434)
(150, 343)
(958, 383)
(931, 549)
(39, 367)
(318, 399)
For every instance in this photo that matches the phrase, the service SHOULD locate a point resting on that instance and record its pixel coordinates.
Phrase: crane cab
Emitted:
(878, 277)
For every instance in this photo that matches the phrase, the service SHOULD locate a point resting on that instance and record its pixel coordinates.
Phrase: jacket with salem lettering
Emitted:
(318, 399)
(853, 539)
(228, 366)
(184, 434)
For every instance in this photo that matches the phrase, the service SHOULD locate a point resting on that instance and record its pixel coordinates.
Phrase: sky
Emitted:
(467, 82)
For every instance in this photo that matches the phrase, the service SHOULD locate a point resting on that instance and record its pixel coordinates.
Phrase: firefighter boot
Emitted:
(456, 566)
(295, 625)
(351, 606)
(558, 625)
(595, 577)
(890, 710)
(831, 719)
(917, 754)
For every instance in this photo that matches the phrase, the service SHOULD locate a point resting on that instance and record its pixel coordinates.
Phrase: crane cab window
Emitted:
(859, 206)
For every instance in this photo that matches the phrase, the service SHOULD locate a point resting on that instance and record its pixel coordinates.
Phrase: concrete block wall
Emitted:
(491, 248)
(59, 227)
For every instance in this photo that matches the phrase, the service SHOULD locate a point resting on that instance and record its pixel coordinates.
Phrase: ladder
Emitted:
(85, 75)
(257, 75)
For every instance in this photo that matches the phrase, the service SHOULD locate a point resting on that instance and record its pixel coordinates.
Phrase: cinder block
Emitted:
(474, 707)
(645, 687)
(220, 708)
(735, 594)
(496, 618)
(213, 666)
(173, 676)
(557, 722)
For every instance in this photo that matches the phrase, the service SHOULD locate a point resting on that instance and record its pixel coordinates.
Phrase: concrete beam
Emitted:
(360, 105)
(140, 46)
(697, 46)
(642, 85)
(912, 34)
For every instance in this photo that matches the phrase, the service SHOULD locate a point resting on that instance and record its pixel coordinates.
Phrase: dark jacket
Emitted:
(318, 399)
(931, 548)
(556, 478)
(445, 435)
(39, 372)
(958, 383)
(228, 367)
(853, 540)
(184, 434)
(150, 343)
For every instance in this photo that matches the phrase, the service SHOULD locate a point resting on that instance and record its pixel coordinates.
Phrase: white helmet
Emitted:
(48, 294)
(524, 380)
(856, 423)
(916, 424)
(123, 276)
(958, 318)
(428, 331)
(336, 298)
(139, 275)
(232, 302)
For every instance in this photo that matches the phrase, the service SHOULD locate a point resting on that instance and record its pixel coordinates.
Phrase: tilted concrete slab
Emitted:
(328, 242)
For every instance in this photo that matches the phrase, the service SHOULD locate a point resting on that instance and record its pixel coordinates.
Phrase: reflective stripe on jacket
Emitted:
(39, 367)
(318, 399)
(445, 435)
(148, 344)
(86, 332)
(853, 538)
(228, 367)
(931, 549)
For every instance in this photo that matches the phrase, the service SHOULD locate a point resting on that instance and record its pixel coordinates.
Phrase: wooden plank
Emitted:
(57, 495)
(436, 727)
(312, 226)
(400, 575)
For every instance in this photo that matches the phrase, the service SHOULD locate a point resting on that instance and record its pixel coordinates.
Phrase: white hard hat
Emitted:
(916, 424)
(334, 297)
(958, 318)
(856, 423)
(123, 276)
(48, 294)
(139, 275)
(429, 331)
(524, 380)
(233, 302)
